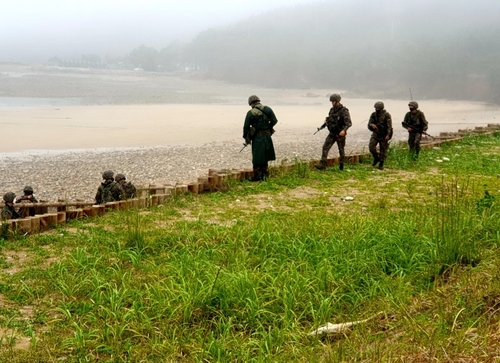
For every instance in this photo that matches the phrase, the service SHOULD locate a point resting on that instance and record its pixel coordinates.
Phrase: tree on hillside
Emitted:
(145, 58)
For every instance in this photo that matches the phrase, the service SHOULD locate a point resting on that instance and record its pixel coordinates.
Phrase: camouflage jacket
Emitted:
(338, 119)
(416, 121)
(383, 121)
(25, 211)
(129, 190)
(109, 191)
(9, 212)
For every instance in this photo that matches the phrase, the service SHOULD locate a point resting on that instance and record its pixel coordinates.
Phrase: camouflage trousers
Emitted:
(260, 172)
(414, 142)
(383, 147)
(331, 139)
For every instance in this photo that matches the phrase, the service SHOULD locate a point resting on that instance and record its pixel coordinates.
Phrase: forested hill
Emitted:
(441, 49)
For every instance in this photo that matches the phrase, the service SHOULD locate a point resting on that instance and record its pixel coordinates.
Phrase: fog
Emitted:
(441, 49)
(35, 30)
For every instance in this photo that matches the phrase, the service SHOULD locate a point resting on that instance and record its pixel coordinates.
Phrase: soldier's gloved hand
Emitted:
(272, 131)
(247, 140)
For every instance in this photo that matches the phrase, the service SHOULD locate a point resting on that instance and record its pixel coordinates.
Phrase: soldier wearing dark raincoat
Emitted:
(415, 123)
(380, 123)
(337, 121)
(109, 190)
(257, 130)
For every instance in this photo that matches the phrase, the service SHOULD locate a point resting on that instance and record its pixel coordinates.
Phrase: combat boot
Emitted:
(321, 165)
(381, 166)
(376, 159)
(341, 166)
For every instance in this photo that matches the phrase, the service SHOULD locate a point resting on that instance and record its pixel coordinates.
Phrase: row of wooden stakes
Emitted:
(153, 195)
(149, 196)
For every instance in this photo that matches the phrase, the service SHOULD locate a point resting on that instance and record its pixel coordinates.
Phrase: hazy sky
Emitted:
(40, 29)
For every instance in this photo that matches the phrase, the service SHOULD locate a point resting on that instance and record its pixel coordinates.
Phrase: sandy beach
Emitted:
(62, 128)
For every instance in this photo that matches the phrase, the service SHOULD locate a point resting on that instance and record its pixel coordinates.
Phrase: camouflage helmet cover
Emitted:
(253, 99)
(379, 105)
(108, 174)
(9, 197)
(119, 177)
(28, 189)
(335, 97)
(413, 103)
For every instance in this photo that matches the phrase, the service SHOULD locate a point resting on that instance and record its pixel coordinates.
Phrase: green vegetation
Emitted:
(245, 275)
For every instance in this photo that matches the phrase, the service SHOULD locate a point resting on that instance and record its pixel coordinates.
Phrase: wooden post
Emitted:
(52, 219)
(135, 203)
(74, 214)
(24, 225)
(35, 224)
(193, 188)
(87, 212)
(205, 185)
(122, 205)
(61, 217)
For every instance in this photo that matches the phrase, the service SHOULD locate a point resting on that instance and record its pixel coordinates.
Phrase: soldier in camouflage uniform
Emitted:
(8, 211)
(415, 123)
(257, 130)
(28, 197)
(380, 123)
(109, 190)
(337, 121)
(129, 189)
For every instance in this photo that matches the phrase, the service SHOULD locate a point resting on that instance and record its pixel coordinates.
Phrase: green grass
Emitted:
(245, 275)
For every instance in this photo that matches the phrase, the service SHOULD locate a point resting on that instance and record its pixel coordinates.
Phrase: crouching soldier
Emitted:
(8, 211)
(28, 197)
(109, 190)
(129, 189)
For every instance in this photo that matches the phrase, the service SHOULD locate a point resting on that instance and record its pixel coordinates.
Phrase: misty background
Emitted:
(439, 49)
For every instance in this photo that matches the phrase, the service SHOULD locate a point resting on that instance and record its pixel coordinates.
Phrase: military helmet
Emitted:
(119, 177)
(9, 197)
(108, 174)
(28, 189)
(253, 99)
(379, 105)
(335, 97)
(413, 103)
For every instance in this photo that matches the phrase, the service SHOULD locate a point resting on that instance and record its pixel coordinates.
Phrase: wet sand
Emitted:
(62, 149)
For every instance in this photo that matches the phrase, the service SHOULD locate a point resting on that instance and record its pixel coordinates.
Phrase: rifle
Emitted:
(244, 146)
(406, 126)
(320, 128)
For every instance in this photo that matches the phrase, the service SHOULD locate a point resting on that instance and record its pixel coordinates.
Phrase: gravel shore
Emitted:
(75, 174)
